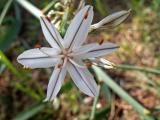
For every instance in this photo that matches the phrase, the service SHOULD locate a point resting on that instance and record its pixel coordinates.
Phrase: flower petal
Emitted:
(83, 79)
(99, 50)
(78, 29)
(84, 49)
(39, 57)
(51, 34)
(55, 83)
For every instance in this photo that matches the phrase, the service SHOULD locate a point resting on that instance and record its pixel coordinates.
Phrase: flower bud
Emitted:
(112, 20)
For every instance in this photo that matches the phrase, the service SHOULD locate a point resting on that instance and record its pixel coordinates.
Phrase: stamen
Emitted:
(48, 18)
(88, 64)
(25, 67)
(37, 46)
(73, 62)
(62, 64)
(59, 66)
(65, 61)
(101, 40)
(86, 15)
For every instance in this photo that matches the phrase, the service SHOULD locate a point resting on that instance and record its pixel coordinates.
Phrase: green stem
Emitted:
(2, 68)
(101, 75)
(143, 69)
(94, 105)
(9, 65)
(28, 91)
(30, 8)
(64, 22)
(6, 7)
(49, 6)
(101, 7)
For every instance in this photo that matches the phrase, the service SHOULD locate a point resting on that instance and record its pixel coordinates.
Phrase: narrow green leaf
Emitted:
(101, 75)
(9, 32)
(31, 8)
(31, 111)
(9, 65)
(101, 7)
(94, 105)
(102, 113)
(139, 68)
(108, 94)
(52, 3)
(64, 22)
(27, 90)
(67, 86)
(5, 9)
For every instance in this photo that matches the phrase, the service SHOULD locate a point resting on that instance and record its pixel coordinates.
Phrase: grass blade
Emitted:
(101, 75)
(9, 65)
(31, 8)
(100, 7)
(31, 111)
(94, 105)
(52, 3)
(28, 91)
(6, 7)
(143, 69)
(2, 68)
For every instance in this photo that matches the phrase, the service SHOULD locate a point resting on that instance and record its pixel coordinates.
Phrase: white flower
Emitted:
(67, 54)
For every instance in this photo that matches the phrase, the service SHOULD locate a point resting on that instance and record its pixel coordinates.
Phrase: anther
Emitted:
(48, 18)
(59, 66)
(37, 46)
(88, 64)
(86, 15)
(100, 41)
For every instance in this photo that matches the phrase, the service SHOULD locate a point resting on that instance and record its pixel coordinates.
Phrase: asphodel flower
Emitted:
(67, 54)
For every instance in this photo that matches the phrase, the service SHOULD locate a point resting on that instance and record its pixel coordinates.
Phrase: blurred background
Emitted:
(138, 62)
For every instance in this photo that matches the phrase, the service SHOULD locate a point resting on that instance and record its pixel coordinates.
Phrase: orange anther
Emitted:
(101, 41)
(37, 46)
(59, 66)
(48, 18)
(88, 64)
(86, 15)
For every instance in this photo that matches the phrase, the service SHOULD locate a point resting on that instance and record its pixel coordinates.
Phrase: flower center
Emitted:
(66, 53)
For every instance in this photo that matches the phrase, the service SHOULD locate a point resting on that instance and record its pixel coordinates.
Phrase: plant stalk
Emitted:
(101, 75)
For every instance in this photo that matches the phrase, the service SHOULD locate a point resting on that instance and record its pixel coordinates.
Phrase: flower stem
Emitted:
(30, 8)
(101, 75)
(6, 7)
(64, 22)
(9, 65)
(53, 2)
(143, 69)
(100, 7)
(94, 105)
